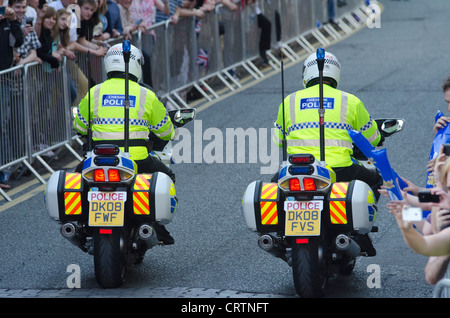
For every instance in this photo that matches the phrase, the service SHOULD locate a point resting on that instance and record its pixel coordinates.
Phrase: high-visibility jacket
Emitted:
(343, 112)
(107, 115)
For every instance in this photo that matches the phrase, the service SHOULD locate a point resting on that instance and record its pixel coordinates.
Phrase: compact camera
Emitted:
(412, 214)
(426, 196)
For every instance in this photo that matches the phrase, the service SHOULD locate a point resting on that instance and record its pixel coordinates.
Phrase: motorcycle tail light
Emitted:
(294, 185)
(113, 175)
(99, 175)
(309, 184)
(304, 184)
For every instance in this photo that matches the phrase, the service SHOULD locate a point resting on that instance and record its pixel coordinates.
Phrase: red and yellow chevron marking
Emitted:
(338, 213)
(72, 203)
(142, 182)
(339, 190)
(73, 181)
(269, 191)
(141, 203)
(269, 214)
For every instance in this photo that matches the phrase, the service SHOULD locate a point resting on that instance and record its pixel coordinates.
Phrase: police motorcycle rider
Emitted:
(147, 115)
(343, 111)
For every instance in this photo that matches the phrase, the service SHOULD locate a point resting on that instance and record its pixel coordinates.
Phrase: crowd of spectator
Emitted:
(100, 20)
(431, 235)
(44, 31)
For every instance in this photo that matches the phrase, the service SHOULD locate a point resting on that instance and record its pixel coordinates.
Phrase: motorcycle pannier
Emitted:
(64, 197)
(352, 207)
(260, 206)
(153, 197)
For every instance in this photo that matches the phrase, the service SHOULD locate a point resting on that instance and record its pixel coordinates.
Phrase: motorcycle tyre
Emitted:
(109, 258)
(308, 269)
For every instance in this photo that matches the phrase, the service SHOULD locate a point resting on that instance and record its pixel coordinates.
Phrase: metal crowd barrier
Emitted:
(35, 100)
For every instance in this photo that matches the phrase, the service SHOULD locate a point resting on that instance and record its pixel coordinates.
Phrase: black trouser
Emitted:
(148, 165)
(152, 164)
(265, 37)
(358, 172)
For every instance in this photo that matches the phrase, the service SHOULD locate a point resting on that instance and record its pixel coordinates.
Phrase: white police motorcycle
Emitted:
(109, 210)
(315, 224)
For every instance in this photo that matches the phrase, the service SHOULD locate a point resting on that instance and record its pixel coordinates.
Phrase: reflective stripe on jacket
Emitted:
(107, 114)
(343, 111)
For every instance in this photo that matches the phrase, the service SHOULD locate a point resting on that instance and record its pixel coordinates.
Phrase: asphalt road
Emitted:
(397, 70)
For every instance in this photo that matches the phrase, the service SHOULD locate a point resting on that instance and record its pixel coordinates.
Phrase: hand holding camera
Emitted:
(7, 13)
(427, 196)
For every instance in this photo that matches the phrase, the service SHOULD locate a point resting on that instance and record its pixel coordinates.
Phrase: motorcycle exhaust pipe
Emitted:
(347, 245)
(270, 244)
(148, 234)
(70, 232)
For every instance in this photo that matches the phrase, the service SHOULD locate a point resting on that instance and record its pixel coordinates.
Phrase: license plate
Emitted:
(303, 218)
(106, 208)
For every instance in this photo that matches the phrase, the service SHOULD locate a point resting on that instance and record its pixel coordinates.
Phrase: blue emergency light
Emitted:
(320, 53)
(126, 46)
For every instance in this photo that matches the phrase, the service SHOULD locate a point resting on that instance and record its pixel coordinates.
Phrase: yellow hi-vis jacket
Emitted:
(343, 112)
(146, 114)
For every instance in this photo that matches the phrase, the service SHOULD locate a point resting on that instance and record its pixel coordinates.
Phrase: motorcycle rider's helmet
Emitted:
(331, 70)
(115, 65)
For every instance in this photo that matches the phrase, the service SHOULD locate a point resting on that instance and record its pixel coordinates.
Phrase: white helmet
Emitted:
(114, 61)
(331, 69)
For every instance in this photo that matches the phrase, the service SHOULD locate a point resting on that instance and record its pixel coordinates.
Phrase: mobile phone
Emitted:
(412, 214)
(426, 196)
(41, 3)
(2, 10)
(137, 22)
(447, 149)
(29, 21)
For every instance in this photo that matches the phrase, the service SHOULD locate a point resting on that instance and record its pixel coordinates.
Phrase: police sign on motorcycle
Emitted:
(303, 218)
(106, 208)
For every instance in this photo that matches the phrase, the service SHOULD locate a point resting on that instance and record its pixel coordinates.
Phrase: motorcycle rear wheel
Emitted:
(109, 258)
(308, 269)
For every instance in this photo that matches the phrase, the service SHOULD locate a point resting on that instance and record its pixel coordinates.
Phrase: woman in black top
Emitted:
(47, 38)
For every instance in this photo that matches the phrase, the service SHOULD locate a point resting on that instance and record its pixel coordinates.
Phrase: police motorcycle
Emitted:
(109, 210)
(311, 221)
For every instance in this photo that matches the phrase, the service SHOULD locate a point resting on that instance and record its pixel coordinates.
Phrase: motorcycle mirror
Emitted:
(390, 126)
(181, 117)
(74, 111)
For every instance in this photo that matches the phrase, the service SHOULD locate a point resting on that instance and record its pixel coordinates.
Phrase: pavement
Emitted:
(142, 292)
